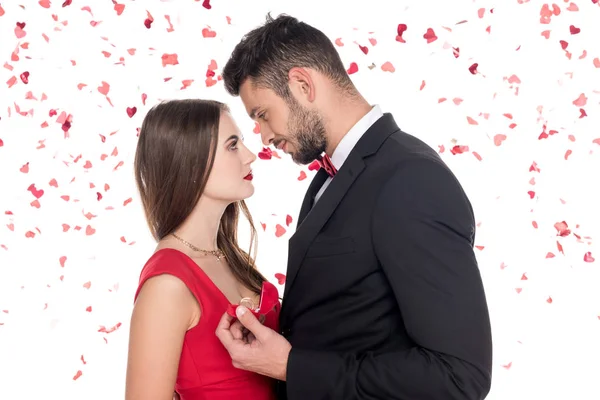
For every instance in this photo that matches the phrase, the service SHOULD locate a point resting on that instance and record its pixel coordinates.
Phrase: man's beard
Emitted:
(307, 132)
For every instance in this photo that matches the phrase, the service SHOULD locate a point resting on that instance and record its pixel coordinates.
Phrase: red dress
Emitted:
(205, 367)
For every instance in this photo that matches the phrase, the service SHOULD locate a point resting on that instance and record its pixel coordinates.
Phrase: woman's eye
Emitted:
(233, 145)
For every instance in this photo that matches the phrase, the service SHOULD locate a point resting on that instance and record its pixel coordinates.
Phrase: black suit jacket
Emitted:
(383, 298)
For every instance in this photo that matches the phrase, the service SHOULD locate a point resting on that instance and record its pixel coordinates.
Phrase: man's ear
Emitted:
(302, 85)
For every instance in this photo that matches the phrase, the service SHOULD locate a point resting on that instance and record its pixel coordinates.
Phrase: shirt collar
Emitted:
(349, 140)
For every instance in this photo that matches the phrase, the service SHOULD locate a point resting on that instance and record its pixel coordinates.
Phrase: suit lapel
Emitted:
(318, 215)
(313, 189)
(311, 220)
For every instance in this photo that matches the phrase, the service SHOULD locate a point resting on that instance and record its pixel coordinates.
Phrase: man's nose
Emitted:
(266, 135)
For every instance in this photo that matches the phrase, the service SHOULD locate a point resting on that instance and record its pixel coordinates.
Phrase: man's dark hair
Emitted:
(267, 54)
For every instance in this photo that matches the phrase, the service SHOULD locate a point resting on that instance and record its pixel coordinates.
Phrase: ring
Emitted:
(248, 303)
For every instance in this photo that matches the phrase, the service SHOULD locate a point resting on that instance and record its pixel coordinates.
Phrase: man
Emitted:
(383, 298)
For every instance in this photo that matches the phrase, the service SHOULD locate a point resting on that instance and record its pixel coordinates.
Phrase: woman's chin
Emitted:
(248, 192)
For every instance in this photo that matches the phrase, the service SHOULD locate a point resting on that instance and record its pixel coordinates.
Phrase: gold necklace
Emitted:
(217, 253)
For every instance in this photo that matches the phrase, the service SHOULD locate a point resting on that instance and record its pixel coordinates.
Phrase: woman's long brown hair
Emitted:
(174, 156)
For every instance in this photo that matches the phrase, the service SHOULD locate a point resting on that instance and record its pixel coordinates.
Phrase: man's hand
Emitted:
(239, 331)
(260, 349)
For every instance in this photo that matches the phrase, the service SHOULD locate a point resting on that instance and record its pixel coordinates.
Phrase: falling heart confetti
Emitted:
(499, 138)
(70, 164)
(208, 33)
(353, 68)
(280, 278)
(401, 29)
(19, 30)
(112, 329)
(562, 228)
(279, 230)
(37, 193)
(119, 8)
(169, 59)
(388, 67)
(430, 36)
(266, 153)
(104, 88)
(148, 21)
(131, 111)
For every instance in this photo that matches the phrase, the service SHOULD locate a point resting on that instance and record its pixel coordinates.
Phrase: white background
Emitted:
(56, 322)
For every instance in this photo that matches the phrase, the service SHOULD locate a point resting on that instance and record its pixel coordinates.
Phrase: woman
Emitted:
(193, 174)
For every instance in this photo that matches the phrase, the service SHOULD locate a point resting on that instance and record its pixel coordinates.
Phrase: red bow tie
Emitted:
(325, 163)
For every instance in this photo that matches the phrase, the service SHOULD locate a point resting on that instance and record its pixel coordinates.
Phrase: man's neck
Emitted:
(343, 116)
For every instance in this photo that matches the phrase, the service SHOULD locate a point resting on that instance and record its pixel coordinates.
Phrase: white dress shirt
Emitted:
(348, 142)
